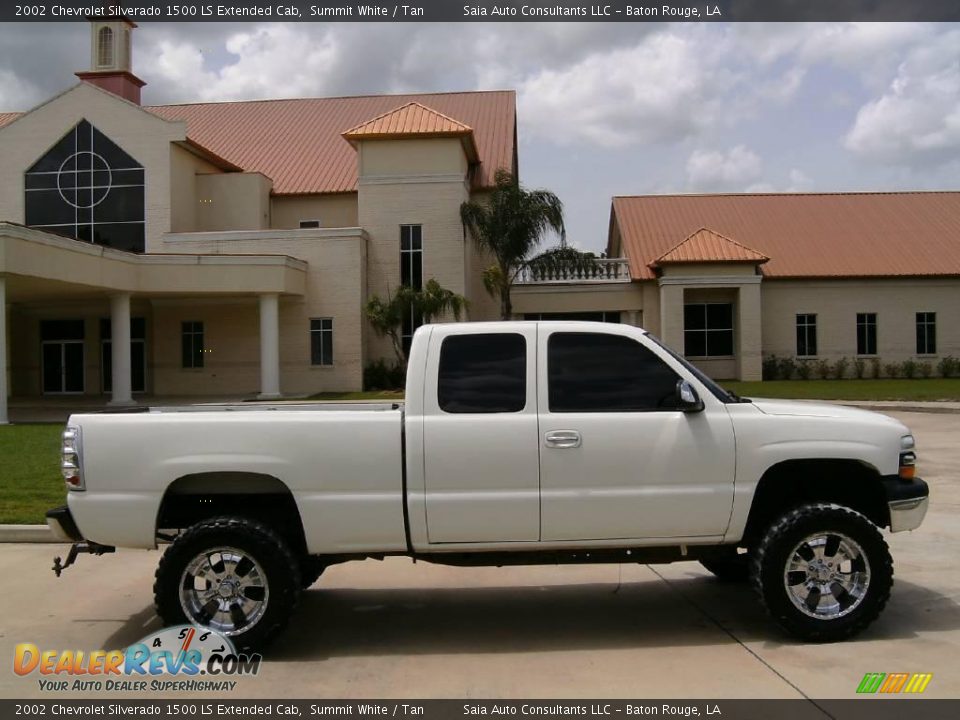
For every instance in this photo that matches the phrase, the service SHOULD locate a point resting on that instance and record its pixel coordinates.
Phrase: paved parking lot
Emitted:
(395, 629)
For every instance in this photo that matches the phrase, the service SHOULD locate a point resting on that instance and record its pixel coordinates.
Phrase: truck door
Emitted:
(481, 458)
(617, 459)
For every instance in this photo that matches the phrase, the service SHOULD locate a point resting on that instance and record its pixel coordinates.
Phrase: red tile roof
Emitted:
(298, 144)
(708, 246)
(414, 120)
(804, 235)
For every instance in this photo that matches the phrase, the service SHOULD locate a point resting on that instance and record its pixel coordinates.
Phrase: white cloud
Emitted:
(916, 121)
(736, 169)
(17, 93)
(799, 181)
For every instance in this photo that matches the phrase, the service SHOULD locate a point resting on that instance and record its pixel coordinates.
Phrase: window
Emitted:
(483, 373)
(321, 341)
(191, 334)
(608, 316)
(411, 275)
(87, 188)
(592, 372)
(806, 334)
(309, 224)
(105, 47)
(926, 333)
(708, 329)
(866, 333)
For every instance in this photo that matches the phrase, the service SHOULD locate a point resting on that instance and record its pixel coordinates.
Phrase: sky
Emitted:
(604, 109)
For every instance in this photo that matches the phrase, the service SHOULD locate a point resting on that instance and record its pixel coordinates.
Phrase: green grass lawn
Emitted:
(923, 390)
(30, 482)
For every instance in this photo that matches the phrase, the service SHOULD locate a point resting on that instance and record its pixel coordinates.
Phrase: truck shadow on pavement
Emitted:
(688, 611)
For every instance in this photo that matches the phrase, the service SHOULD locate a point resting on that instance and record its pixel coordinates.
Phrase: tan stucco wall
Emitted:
(624, 297)
(143, 136)
(332, 210)
(233, 201)
(335, 287)
(707, 269)
(413, 182)
(837, 302)
(184, 201)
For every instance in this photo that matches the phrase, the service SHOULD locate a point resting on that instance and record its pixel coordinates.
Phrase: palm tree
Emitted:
(434, 300)
(509, 225)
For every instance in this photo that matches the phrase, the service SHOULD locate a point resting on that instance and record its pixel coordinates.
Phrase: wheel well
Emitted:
(200, 496)
(795, 482)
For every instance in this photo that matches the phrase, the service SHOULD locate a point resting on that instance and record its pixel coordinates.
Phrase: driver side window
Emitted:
(595, 372)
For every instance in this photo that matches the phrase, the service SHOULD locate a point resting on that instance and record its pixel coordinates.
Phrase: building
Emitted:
(729, 279)
(229, 248)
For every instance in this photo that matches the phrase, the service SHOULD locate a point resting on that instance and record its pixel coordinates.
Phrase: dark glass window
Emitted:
(483, 373)
(321, 341)
(191, 335)
(309, 223)
(87, 188)
(411, 275)
(806, 334)
(866, 333)
(61, 330)
(138, 328)
(926, 333)
(592, 372)
(708, 329)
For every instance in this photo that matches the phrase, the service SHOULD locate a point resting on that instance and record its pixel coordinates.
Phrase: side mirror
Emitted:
(687, 398)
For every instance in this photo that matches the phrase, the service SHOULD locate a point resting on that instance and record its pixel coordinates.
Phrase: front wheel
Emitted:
(232, 575)
(823, 572)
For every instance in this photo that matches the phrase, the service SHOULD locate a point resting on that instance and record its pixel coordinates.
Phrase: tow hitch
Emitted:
(91, 548)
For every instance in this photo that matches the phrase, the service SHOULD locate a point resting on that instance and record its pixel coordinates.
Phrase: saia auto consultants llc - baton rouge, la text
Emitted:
(630, 11)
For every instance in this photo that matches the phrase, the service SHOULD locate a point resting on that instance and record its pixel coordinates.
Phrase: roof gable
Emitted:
(707, 246)
(411, 121)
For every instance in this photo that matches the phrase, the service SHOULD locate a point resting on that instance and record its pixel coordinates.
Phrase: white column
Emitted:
(269, 346)
(120, 349)
(3, 351)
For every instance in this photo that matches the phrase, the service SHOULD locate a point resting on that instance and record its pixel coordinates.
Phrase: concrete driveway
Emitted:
(398, 629)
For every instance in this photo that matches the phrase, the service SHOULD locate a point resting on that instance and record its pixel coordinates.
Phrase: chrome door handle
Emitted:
(562, 439)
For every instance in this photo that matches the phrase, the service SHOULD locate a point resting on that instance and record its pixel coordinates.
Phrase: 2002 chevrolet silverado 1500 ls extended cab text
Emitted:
(518, 443)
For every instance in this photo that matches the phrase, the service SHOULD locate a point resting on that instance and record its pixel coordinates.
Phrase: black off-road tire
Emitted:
(271, 552)
(732, 568)
(772, 555)
(311, 568)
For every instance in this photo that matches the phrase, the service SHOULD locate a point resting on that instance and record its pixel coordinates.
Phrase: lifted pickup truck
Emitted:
(519, 443)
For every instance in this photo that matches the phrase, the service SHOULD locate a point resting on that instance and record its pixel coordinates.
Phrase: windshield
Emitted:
(718, 392)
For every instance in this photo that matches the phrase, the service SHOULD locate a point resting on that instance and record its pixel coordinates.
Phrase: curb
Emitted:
(27, 534)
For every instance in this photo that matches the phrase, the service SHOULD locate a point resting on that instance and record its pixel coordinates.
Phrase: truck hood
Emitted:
(804, 408)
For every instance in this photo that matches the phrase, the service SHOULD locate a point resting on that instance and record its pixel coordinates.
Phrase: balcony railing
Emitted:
(601, 270)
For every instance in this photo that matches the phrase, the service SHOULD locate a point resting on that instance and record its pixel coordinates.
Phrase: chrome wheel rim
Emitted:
(827, 575)
(224, 589)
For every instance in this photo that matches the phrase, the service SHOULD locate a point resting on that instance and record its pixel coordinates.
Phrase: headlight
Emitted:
(907, 443)
(70, 463)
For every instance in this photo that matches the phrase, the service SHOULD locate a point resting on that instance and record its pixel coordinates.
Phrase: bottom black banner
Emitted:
(872, 708)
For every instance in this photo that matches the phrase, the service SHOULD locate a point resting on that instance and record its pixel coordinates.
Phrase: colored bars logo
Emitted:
(894, 683)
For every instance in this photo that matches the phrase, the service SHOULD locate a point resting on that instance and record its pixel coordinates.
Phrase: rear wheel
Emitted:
(232, 575)
(823, 572)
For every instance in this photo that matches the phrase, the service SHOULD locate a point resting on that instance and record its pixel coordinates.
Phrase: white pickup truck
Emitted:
(519, 443)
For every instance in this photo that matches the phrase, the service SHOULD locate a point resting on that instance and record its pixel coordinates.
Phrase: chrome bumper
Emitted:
(908, 514)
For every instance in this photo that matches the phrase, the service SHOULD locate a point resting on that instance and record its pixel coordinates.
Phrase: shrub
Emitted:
(771, 367)
(926, 369)
(909, 369)
(823, 368)
(840, 367)
(787, 367)
(859, 368)
(874, 367)
(803, 369)
(892, 370)
(380, 376)
(948, 366)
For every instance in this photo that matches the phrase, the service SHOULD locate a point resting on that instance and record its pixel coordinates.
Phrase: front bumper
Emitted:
(908, 502)
(62, 525)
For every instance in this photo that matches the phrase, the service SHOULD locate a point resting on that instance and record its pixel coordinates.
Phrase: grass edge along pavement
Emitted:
(30, 481)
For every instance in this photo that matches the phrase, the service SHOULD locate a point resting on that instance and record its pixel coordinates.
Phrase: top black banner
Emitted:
(483, 11)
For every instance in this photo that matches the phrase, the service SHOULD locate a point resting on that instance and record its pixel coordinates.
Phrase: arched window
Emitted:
(86, 187)
(105, 47)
